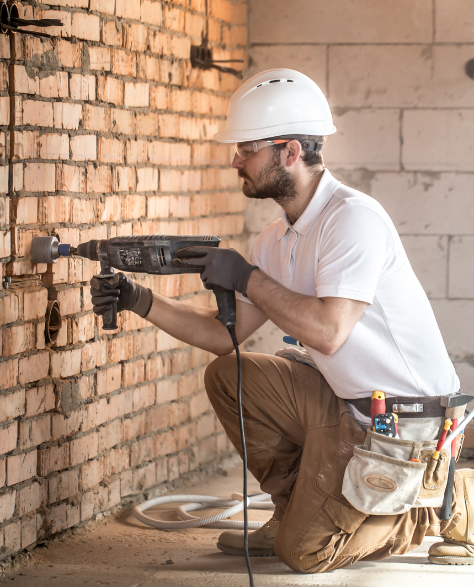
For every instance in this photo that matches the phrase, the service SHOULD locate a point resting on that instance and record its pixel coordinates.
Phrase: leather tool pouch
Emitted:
(381, 480)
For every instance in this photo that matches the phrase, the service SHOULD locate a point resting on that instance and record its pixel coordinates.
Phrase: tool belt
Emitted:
(405, 407)
(381, 478)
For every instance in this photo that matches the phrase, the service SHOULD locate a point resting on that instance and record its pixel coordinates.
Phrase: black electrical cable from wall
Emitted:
(244, 451)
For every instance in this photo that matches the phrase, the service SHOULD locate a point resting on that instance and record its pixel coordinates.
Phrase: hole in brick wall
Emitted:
(53, 321)
(14, 13)
(4, 16)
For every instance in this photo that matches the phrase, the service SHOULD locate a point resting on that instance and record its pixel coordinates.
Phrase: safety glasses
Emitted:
(246, 150)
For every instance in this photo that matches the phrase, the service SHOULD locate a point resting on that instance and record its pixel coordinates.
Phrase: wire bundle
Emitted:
(10, 21)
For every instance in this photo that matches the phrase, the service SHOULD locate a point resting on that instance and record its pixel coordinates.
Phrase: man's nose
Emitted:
(237, 162)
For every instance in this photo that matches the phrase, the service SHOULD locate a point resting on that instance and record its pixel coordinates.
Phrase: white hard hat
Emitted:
(276, 102)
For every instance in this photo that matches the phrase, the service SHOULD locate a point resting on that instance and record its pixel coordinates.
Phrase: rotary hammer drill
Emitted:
(152, 254)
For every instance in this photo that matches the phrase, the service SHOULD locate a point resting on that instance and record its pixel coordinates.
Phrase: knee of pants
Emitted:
(221, 373)
(283, 549)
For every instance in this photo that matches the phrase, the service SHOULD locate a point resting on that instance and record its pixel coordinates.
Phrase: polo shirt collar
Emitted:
(326, 188)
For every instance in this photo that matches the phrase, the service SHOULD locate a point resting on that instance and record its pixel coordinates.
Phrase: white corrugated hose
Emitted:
(260, 501)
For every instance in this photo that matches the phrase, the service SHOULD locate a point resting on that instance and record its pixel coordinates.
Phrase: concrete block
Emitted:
(267, 339)
(438, 140)
(308, 59)
(365, 138)
(426, 203)
(454, 21)
(461, 270)
(456, 322)
(400, 75)
(428, 256)
(261, 213)
(341, 21)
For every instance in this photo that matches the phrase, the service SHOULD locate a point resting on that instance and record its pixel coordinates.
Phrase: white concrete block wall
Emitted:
(394, 74)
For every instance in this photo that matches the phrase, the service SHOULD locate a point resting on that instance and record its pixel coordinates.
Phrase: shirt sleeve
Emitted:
(355, 245)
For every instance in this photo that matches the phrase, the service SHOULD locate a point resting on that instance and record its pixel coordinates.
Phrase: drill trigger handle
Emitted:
(226, 305)
(109, 318)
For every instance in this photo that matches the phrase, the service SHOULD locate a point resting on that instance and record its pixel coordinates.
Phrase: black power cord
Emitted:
(231, 330)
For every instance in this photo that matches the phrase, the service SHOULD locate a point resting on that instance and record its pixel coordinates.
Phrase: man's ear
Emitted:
(292, 153)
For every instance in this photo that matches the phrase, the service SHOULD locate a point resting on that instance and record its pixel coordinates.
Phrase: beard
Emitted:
(273, 182)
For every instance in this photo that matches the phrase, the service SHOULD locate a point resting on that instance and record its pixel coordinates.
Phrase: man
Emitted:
(333, 274)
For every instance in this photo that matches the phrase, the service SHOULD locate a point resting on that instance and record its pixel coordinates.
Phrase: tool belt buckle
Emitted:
(407, 408)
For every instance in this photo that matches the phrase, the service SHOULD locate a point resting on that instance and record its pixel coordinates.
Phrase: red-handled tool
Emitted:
(377, 405)
(442, 438)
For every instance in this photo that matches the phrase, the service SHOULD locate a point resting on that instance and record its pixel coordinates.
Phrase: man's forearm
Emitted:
(194, 325)
(303, 317)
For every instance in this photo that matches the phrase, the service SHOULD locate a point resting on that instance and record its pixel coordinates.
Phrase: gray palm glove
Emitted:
(224, 267)
(128, 295)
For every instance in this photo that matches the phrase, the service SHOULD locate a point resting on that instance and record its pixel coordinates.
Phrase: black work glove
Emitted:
(128, 295)
(224, 267)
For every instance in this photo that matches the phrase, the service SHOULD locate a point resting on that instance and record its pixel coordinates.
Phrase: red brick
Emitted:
(94, 355)
(54, 146)
(86, 26)
(31, 498)
(62, 426)
(25, 210)
(109, 380)
(63, 486)
(35, 431)
(7, 506)
(82, 86)
(53, 459)
(69, 54)
(54, 209)
(69, 301)
(124, 179)
(99, 180)
(36, 113)
(66, 363)
(67, 115)
(92, 474)
(136, 95)
(136, 37)
(133, 373)
(70, 178)
(18, 339)
(40, 177)
(8, 437)
(110, 435)
(99, 58)
(110, 150)
(21, 467)
(103, 6)
(39, 400)
(34, 304)
(84, 148)
(33, 368)
(125, 9)
(151, 12)
(112, 33)
(8, 373)
(124, 63)
(84, 448)
(54, 86)
(110, 89)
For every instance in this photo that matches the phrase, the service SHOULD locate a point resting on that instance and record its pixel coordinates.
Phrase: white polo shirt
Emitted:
(345, 245)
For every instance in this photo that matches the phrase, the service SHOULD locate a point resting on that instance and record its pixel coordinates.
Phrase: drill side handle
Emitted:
(226, 305)
(109, 318)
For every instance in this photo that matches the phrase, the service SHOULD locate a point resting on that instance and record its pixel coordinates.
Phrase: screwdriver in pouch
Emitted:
(442, 438)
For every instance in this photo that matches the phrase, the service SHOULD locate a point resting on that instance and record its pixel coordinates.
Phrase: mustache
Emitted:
(241, 173)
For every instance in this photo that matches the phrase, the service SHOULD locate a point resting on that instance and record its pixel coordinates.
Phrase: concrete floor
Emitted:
(121, 551)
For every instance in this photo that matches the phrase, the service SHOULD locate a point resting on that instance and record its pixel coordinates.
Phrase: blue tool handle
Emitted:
(291, 340)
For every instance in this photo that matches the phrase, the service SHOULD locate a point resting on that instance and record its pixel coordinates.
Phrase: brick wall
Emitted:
(393, 71)
(106, 131)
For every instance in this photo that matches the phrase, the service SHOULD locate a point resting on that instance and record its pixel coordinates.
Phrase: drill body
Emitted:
(152, 254)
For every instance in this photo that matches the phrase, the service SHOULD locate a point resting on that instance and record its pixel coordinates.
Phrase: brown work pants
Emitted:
(300, 437)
